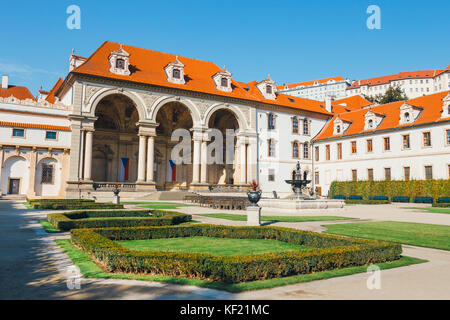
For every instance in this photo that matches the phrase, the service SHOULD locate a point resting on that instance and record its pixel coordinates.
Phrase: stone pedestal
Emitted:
(116, 199)
(253, 216)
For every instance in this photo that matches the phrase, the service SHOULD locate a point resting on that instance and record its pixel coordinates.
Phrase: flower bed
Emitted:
(115, 218)
(330, 252)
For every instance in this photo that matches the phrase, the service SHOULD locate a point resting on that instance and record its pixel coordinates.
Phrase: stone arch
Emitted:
(15, 167)
(48, 189)
(98, 96)
(240, 117)
(159, 103)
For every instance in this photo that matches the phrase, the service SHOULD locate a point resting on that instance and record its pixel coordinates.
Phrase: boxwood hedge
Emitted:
(71, 204)
(116, 218)
(330, 252)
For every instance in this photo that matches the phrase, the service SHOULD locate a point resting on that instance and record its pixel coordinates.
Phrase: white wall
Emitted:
(17, 168)
(417, 157)
(48, 189)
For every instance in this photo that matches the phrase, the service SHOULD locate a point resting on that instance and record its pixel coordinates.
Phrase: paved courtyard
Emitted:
(33, 267)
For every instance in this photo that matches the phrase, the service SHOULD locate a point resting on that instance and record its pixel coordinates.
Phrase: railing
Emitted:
(112, 185)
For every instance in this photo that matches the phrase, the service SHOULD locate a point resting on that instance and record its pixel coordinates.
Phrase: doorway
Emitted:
(14, 186)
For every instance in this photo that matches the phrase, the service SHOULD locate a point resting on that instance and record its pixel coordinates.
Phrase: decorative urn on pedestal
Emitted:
(116, 192)
(253, 210)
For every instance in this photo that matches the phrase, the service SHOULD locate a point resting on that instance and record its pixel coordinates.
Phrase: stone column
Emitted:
(243, 160)
(197, 136)
(204, 162)
(88, 156)
(251, 159)
(150, 159)
(32, 174)
(141, 159)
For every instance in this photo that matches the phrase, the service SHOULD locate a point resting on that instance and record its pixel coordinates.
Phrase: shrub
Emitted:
(71, 204)
(442, 205)
(330, 252)
(423, 200)
(118, 218)
(392, 188)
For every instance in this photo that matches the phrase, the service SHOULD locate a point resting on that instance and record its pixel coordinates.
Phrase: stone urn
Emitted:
(254, 195)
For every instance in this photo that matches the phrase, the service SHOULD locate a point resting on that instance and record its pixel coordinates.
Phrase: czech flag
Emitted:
(172, 171)
(124, 169)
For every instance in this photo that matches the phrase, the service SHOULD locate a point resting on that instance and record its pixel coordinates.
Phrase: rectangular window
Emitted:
(294, 125)
(316, 178)
(317, 153)
(271, 175)
(406, 173)
(271, 148)
(47, 173)
(18, 133)
(370, 174)
(369, 145)
(354, 150)
(387, 173)
(387, 144)
(50, 135)
(354, 175)
(428, 172)
(327, 148)
(427, 139)
(448, 137)
(339, 151)
(406, 141)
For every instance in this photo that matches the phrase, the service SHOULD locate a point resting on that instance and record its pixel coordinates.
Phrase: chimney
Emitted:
(4, 81)
(328, 103)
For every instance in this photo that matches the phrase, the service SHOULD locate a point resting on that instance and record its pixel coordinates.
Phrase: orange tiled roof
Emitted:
(148, 68)
(431, 105)
(309, 83)
(399, 76)
(33, 126)
(353, 102)
(21, 93)
(51, 95)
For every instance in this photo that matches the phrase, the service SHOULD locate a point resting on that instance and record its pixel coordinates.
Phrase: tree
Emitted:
(394, 93)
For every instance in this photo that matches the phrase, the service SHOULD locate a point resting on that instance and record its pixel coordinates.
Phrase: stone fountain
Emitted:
(298, 183)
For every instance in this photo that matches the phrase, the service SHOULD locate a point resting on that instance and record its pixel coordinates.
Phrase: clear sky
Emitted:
(296, 40)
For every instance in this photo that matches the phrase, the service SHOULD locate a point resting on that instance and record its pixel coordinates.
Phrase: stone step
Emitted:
(166, 195)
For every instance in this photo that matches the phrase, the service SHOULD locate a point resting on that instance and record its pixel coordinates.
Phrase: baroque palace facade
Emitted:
(110, 121)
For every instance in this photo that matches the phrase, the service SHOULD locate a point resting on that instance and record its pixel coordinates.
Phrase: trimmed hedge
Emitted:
(331, 252)
(118, 218)
(339, 197)
(441, 205)
(71, 204)
(392, 188)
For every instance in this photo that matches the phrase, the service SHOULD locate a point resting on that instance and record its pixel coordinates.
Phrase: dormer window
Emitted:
(222, 79)
(338, 129)
(446, 106)
(175, 72)
(407, 117)
(119, 62)
(409, 113)
(266, 88)
(370, 124)
(224, 82)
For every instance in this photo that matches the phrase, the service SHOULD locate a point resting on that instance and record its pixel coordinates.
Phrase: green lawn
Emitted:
(416, 234)
(160, 205)
(243, 217)
(48, 227)
(432, 209)
(214, 246)
(90, 270)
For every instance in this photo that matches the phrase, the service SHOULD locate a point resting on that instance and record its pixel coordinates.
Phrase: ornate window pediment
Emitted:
(372, 120)
(175, 72)
(119, 62)
(222, 79)
(267, 89)
(340, 126)
(409, 113)
(446, 107)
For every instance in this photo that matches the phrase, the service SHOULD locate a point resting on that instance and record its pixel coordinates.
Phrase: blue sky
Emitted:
(292, 40)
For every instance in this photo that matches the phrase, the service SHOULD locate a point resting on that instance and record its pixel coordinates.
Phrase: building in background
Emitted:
(334, 88)
(413, 83)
